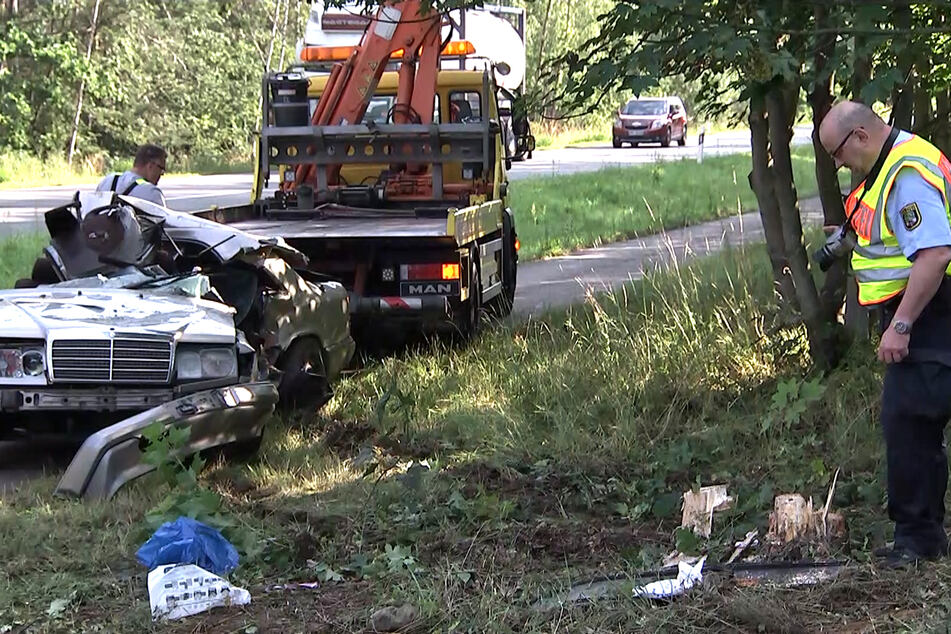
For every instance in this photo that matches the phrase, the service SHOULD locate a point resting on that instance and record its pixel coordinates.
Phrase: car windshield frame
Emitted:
(645, 108)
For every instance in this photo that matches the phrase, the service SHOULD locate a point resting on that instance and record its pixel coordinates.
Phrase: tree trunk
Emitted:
(942, 132)
(270, 48)
(818, 330)
(856, 316)
(832, 294)
(82, 84)
(924, 123)
(287, 10)
(761, 183)
(903, 94)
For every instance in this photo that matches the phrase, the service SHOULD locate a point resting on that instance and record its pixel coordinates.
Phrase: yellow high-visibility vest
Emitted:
(880, 267)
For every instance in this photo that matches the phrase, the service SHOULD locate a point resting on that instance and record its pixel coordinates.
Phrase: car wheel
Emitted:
(665, 142)
(635, 144)
(615, 143)
(241, 450)
(303, 384)
(683, 138)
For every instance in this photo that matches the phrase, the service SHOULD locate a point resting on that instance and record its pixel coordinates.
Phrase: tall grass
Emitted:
(561, 213)
(17, 254)
(553, 135)
(21, 169)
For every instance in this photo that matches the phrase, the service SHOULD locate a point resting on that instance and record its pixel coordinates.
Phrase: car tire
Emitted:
(303, 385)
(43, 271)
(242, 450)
(615, 143)
(683, 138)
(665, 142)
(635, 144)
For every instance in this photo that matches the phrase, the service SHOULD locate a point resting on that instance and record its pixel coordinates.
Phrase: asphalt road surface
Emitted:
(543, 284)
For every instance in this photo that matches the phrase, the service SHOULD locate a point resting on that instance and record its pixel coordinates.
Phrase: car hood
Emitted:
(630, 118)
(36, 313)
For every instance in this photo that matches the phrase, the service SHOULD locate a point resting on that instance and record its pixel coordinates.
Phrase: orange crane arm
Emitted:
(397, 26)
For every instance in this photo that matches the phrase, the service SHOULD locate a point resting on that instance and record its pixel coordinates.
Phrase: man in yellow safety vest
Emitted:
(901, 220)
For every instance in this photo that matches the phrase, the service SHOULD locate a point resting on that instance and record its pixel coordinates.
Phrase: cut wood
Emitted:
(698, 508)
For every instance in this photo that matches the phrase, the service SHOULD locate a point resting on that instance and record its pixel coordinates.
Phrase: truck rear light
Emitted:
(433, 271)
(518, 244)
(388, 274)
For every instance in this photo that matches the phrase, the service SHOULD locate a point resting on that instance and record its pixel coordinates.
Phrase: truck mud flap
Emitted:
(435, 306)
(112, 456)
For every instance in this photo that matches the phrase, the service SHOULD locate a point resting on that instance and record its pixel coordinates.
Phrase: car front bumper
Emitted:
(640, 134)
(112, 456)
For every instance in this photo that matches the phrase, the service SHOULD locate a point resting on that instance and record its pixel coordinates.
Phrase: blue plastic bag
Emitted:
(188, 541)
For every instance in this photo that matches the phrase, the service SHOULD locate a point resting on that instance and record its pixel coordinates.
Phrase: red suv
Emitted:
(651, 120)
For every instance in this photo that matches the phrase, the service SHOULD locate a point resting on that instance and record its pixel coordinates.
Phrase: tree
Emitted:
(774, 49)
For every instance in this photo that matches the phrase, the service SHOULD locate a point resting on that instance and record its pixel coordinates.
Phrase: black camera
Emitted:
(840, 242)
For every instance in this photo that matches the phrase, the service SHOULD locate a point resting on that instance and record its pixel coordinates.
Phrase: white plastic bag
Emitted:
(687, 576)
(180, 590)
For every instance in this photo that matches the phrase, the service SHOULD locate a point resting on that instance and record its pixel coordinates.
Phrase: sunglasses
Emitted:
(161, 166)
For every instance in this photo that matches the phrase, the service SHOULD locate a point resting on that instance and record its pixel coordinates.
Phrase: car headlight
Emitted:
(18, 363)
(657, 123)
(205, 363)
(618, 123)
(34, 362)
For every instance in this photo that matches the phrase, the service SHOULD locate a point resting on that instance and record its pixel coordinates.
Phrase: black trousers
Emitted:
(916, 406)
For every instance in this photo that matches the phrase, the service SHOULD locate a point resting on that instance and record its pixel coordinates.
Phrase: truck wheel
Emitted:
(303, 385)
(501, 305)
(471, 310)
(665, 142)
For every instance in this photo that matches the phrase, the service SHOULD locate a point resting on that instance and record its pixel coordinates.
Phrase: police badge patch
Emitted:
(910, 216)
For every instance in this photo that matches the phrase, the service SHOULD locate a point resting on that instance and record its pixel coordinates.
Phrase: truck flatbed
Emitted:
(347, 228)
(462, 225)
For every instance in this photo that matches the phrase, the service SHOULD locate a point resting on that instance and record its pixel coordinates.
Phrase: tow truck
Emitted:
(406, 206)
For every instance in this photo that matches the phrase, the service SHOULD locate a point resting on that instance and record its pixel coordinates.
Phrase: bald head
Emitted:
(853, 134)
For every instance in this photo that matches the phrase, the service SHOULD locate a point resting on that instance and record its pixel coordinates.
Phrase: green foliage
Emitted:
(40, 67)
(186, 497)
(186, 75)
(792, 399)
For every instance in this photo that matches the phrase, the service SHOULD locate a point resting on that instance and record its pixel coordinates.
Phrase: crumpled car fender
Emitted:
(112, 456)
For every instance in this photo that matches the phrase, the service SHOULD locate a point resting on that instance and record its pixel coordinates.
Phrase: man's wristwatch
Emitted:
(901, 327)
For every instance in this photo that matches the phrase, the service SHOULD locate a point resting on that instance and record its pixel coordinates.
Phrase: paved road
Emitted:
(21, 209)
(543, 284)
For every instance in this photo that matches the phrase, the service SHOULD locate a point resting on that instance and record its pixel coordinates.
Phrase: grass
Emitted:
(554, 135)
(558, 214)
(20, 169)
(475, 482)
(17, 255)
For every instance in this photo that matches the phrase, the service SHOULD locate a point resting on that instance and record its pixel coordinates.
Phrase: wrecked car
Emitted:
(135, 314)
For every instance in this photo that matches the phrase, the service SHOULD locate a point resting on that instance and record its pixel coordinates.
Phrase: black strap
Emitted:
(129, 189)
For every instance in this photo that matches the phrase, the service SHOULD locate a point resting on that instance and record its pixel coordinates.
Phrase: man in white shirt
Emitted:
(142, 180)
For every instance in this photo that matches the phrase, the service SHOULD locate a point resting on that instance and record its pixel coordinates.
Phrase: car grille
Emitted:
(119, 360)
(636, 126)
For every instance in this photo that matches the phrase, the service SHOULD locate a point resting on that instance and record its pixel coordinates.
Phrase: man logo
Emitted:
(429, 289)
